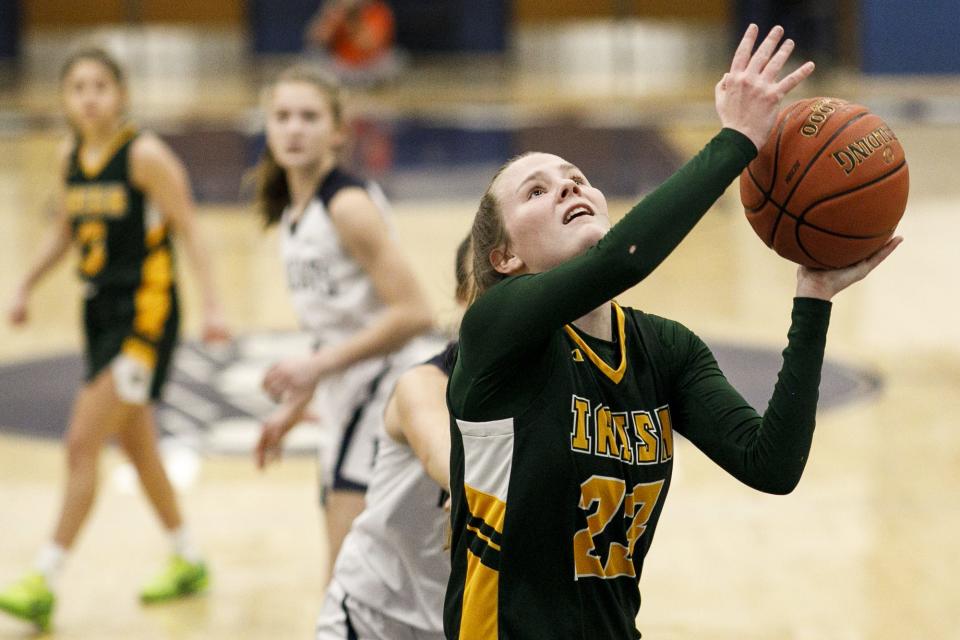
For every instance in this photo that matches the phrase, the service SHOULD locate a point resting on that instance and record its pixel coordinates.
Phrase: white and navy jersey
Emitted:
(393, 559)
(350, 404)
(334, 299)
(332, 295)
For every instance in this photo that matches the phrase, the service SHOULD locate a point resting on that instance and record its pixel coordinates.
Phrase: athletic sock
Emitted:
(50, 561)
(183, 545)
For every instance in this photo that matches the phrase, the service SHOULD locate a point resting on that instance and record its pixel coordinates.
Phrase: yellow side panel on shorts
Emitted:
(140, 351)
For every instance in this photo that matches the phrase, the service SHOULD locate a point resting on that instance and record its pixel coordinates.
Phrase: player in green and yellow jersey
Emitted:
(124, 194)
(564, 404)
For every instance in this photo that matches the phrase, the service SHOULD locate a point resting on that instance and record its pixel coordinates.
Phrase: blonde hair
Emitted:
(489, 233)
(270, 179)
(463, 271)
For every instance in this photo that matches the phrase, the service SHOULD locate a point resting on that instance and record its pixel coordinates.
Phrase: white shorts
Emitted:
(132, 379)
(349, 407)
(343, 618)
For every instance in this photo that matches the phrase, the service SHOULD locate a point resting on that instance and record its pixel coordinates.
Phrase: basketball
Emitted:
(829, 186)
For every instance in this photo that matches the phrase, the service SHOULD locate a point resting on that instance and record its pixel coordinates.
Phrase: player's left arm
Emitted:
(767, 452)
(416, 415)
(159, 173)
(365, 236)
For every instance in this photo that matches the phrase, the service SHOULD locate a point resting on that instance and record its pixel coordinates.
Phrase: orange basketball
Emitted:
(829, 186)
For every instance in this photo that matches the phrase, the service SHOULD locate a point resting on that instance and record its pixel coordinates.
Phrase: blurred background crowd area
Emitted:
(207, 58)
(474, 69)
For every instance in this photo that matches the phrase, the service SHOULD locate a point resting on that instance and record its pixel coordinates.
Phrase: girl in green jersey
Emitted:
(564, 404)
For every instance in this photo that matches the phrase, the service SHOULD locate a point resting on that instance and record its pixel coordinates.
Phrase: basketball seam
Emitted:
(768, 192)
(806, 170)
(801, 220)
(801, 217)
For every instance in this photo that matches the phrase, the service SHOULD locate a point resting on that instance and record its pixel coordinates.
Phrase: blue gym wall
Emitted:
(910, 36)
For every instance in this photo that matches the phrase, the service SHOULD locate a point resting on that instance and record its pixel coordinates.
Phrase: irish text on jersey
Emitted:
(635, 437)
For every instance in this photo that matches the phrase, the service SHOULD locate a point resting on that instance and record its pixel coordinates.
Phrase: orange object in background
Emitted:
(364, 34)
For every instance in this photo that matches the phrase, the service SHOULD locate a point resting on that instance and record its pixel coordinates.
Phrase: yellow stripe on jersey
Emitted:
(488, 460)
(478, 618)
(488, 509)
(152, 299)
(614, 374)
(480, 588)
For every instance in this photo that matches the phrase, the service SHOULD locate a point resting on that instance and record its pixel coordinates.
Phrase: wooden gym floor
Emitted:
(866, 547)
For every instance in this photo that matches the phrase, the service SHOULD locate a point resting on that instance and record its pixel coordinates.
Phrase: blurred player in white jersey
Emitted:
(350, 285)
(391, 575)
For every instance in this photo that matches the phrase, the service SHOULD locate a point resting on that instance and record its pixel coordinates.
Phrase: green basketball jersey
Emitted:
(588, 463)
(122, 243)
(562, 443)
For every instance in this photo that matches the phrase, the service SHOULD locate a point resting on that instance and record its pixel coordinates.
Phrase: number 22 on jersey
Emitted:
(608, 494)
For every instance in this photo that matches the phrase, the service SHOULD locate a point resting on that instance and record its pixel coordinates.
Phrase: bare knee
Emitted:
(83, 450)
(95, 416)
(137, 437)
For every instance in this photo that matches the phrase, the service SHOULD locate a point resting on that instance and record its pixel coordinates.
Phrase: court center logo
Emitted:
(212, 401)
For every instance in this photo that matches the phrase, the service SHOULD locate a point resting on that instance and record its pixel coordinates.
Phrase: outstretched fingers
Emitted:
(766, 50)
(788, 84)
(748, 96)
(778, 60)
(741, 56)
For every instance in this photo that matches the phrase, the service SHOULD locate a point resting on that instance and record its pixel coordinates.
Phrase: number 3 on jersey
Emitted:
(92, 236)
(608, 494)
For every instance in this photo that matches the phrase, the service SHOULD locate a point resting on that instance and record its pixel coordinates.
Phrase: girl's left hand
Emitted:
(826, 283)
(275, 427)
(293, 377)
(17, 310)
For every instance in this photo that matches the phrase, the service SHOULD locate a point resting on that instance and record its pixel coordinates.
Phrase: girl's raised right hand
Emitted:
(748, 96)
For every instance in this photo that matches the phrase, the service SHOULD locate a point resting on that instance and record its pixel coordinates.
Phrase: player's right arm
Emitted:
(510, 323)
(416, 415)
(53, 247)
(507, 325)
(514, 317)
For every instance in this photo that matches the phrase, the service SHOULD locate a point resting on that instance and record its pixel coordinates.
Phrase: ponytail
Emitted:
(272, 190)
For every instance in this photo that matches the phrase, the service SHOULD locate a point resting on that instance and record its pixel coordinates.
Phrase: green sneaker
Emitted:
(180, 578)
(29, 599)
